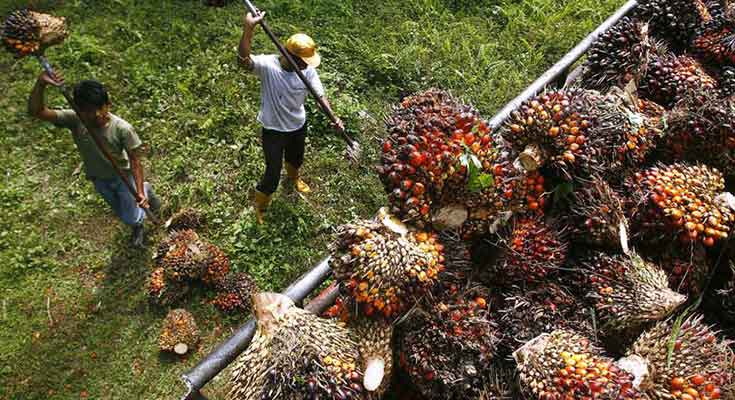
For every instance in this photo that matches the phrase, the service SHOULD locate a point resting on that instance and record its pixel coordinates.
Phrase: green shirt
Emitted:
(119, 137)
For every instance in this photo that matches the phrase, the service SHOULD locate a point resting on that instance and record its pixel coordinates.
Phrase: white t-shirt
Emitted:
(282, 94)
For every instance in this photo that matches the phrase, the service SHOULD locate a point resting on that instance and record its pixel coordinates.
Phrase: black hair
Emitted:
(90, 94)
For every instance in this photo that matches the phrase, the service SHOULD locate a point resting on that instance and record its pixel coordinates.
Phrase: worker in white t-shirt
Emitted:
(282, 113)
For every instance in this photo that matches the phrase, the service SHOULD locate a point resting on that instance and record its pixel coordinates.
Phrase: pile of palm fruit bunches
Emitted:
(183, 260)
(578, 251)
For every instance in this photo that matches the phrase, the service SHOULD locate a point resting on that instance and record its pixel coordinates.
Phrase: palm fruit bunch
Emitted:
(296, 355)
(543, 309)
(627, 292)
(715, 37)
(617, 56)
(523, 192)
(438, 154)
(26, 32)
(188, 218)
(164, 291)
(680, 200)
(499, 385)
(622, 136)
(385, 269)
(597, 217)
(687, 362)
(701, 130)
(179, 332)
(565, 365)
(533, 251)
(374, 339)
(687, 267)
(375, 342)
(447, 349)
(676, 20)
(671, 78)
(550, 130)
(185, 257)
(234, 293)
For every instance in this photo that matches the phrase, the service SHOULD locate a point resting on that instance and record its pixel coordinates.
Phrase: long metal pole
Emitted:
(97, 141)
(561, 67)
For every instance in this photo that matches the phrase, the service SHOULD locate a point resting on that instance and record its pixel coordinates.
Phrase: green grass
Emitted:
(74, 321)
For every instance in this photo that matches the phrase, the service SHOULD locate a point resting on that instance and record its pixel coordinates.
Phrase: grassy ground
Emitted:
(74, 322)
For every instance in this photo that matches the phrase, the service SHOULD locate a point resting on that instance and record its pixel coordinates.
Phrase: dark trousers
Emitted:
(278, 146)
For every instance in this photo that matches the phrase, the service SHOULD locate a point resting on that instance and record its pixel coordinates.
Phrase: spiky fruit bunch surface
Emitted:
(676, 20)
(619, 132)
(187, 218)
(597, 216)
(447, 349)
(671, 78)
(296, 355)
(25, 32)
(701, 130)
(179, 332)
(185, 257)
(727, 81)
(627, 292)
(162, 290)
(385, 271)
(533, 251)
(234, 293)
(701, 365)
(549, 129)
(617, 56)
(680, 200)
(499, 386)
(687, 268)
(546, 308)
(374, 339)
(438, 153)
(565, 365)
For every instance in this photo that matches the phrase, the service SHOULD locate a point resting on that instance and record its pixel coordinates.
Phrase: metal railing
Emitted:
(197, 377)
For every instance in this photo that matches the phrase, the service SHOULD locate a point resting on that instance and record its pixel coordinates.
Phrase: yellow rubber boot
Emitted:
(262, 201)
(293, 174)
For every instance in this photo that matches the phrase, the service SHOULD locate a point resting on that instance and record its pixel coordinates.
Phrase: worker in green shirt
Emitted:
(93, 103)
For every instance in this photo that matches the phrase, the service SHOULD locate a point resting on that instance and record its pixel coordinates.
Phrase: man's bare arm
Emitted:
(243, 51)
(37, 103)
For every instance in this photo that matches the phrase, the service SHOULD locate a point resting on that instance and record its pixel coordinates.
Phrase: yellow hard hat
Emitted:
(303, 46)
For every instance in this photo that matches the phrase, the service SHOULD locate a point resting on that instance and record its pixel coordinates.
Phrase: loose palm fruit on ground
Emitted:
(164, 291)
(528, 313)
(25, 32)
(234, 293)
(597, 217)
(701, 365)
(385, 271)
(627, 292)
(296, 355)
(446, 349)
(565, 365)
(438, 158)
(533, 251)
(617, 56)
(187, 218)
(679, 200)
(179, 333)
